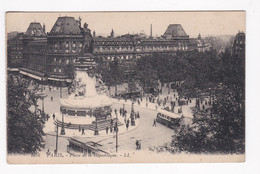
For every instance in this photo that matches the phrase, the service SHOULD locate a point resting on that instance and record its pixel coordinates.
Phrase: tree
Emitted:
(111, 72)
(222, 130)
(70, 71)
(116, 73)
(24, 127)
(146, 75)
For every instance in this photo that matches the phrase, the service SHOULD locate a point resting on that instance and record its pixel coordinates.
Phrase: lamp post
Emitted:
(42, 97)
(132, 115)
(116, 132)
(62, 131)
(56, 150)
(96, 127)
(60, 90)
(169, 91)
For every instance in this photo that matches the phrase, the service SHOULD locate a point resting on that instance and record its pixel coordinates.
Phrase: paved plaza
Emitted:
(149, 135)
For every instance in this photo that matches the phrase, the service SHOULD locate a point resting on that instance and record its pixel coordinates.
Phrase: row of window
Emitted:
(113, 43)
(15, 48)
(160, 48)
(16, 57)
(67, 44)
(240, 42)
(59, 60)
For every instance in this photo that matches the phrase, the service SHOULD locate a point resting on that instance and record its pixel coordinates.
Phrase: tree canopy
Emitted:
(24, 126)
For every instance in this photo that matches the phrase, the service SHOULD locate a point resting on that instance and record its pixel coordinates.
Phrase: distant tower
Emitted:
(43, 27)
(151, 31)
(199, 36)
(79, 22)
(94, 34)
(112, 33)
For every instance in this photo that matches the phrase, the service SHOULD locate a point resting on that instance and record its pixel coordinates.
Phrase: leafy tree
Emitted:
(116, 73)
(24, 127)
(222, 130)
(111, 72)
(70, 71)
(146, 76)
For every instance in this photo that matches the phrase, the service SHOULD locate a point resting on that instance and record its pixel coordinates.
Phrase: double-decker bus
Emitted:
(168, 119)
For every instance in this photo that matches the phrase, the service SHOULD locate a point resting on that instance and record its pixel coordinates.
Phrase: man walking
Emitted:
(107, 130)
(83, 133)
(154, 123)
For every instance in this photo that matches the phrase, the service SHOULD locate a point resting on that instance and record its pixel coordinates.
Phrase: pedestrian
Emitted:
(154, 122)
(127, 125)
(107, 130)
(115, 111)
(137, 145)
(138, 115)
(83, 133)
(111, 129)
(48, 117)
(79, 128)
(128, 121)
(51, 98)
(53, 116)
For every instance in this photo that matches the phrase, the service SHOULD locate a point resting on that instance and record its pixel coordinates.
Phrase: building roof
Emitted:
(240, 36)
(65, 26)
(18, 36)
(35, 30)
(174, 30)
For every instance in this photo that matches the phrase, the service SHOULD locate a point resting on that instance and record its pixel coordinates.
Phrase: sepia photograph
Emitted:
(125, 87)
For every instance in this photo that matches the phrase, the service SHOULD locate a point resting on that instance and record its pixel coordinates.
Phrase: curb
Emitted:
(64, 136)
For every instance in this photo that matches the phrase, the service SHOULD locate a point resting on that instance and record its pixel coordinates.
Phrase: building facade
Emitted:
(238, 47)
(50, 55)
(15, 51)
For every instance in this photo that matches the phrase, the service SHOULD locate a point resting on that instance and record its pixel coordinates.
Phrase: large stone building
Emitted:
(238, 47)
(48, 56)
(34, 51)
(15, 51)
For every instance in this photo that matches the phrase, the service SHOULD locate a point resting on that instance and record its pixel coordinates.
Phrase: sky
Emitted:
(205, 23)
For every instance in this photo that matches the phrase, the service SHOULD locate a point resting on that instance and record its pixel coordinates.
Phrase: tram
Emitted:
(168, 119)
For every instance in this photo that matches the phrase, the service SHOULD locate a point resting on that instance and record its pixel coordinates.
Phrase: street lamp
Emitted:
(60, 90)
(56, 150)
(132, 115)
(96, 127)
(116, 132)
(62, 131)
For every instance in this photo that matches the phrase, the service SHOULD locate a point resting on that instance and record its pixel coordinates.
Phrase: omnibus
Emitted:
(168, 119)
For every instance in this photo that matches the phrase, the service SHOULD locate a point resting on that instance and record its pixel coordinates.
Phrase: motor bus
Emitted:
(168, 119)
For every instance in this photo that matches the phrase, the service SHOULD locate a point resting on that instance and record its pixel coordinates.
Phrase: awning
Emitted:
(12, 69)
(31, 75)
(60, 80)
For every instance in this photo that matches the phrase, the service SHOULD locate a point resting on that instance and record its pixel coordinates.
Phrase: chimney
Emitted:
(151, 31)
(112, 33)
(43, 27)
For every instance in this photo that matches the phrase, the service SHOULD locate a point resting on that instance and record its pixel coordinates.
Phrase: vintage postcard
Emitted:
(125, 87)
